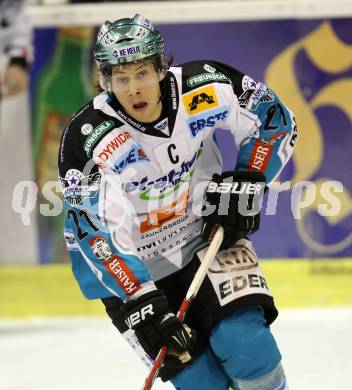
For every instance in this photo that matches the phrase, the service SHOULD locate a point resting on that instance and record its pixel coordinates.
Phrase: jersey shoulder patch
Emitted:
(88, 126)
(198, 73)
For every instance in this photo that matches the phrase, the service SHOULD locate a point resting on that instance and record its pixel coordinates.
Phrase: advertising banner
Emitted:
(308, 63)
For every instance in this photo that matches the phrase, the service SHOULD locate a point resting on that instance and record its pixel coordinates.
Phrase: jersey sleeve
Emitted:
(270, 145)
(264, 128)
(96, 216)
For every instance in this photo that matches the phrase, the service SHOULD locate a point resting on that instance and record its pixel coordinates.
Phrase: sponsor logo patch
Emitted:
(163, 126)
(134, 155)
(249, 83)
(164, 186)
(253, 94)
(76, 187)
(236, 273)
(209, 68)
(200, 100)
(260, 156)
(204, 77)
(86, 129)
(101, 248)
(126, 51)
(71, 241)
(73, 177)
(207, 119)
(235, 188)
(110, 148)
(97, 132)
(115, 265)
(156, 218)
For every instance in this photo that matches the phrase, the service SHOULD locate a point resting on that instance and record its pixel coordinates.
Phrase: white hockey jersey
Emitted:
(134, 191)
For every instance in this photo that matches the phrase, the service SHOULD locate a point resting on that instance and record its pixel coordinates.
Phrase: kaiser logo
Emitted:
(101, 248)
(260, 156)
(115, 266)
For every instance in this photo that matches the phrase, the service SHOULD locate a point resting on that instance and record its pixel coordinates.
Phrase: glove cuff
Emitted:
(251, 176)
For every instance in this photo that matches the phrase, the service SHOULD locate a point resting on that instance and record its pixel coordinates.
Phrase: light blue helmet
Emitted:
(124, 41)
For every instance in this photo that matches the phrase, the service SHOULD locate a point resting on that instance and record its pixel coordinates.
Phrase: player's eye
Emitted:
(142, 74)
(122, 80)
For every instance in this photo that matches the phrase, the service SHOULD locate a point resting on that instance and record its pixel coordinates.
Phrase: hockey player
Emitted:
(132, 164)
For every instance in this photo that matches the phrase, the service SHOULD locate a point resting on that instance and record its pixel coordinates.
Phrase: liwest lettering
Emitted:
(172, 178)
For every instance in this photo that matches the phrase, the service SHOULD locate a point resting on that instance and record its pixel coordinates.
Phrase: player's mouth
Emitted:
(140, 106)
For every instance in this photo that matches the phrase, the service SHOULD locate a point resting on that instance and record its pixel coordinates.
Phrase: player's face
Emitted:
(137, 88)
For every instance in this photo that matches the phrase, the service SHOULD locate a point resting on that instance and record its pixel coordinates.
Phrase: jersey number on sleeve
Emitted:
(80, 233)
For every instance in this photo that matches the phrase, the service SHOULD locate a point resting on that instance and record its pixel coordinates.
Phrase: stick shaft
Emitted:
(191, 294)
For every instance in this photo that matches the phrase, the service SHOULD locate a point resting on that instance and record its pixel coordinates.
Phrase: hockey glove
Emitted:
(234, 197)
(155, 325)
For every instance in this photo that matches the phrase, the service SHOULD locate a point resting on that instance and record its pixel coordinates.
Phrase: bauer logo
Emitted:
(207, 119)
(200, 100)
(235, 188)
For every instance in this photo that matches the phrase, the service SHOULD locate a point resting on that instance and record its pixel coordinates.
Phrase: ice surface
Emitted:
(88, 353)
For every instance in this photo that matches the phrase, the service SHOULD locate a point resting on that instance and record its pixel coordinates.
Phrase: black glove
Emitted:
(235, 196)
(155, 325)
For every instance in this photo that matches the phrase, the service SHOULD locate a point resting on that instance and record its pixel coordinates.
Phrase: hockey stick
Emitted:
(191, 294)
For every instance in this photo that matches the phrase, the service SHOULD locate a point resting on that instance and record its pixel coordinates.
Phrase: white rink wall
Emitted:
(56, 13)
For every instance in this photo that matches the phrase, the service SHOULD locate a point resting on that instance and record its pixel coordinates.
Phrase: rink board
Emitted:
(51, 290)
